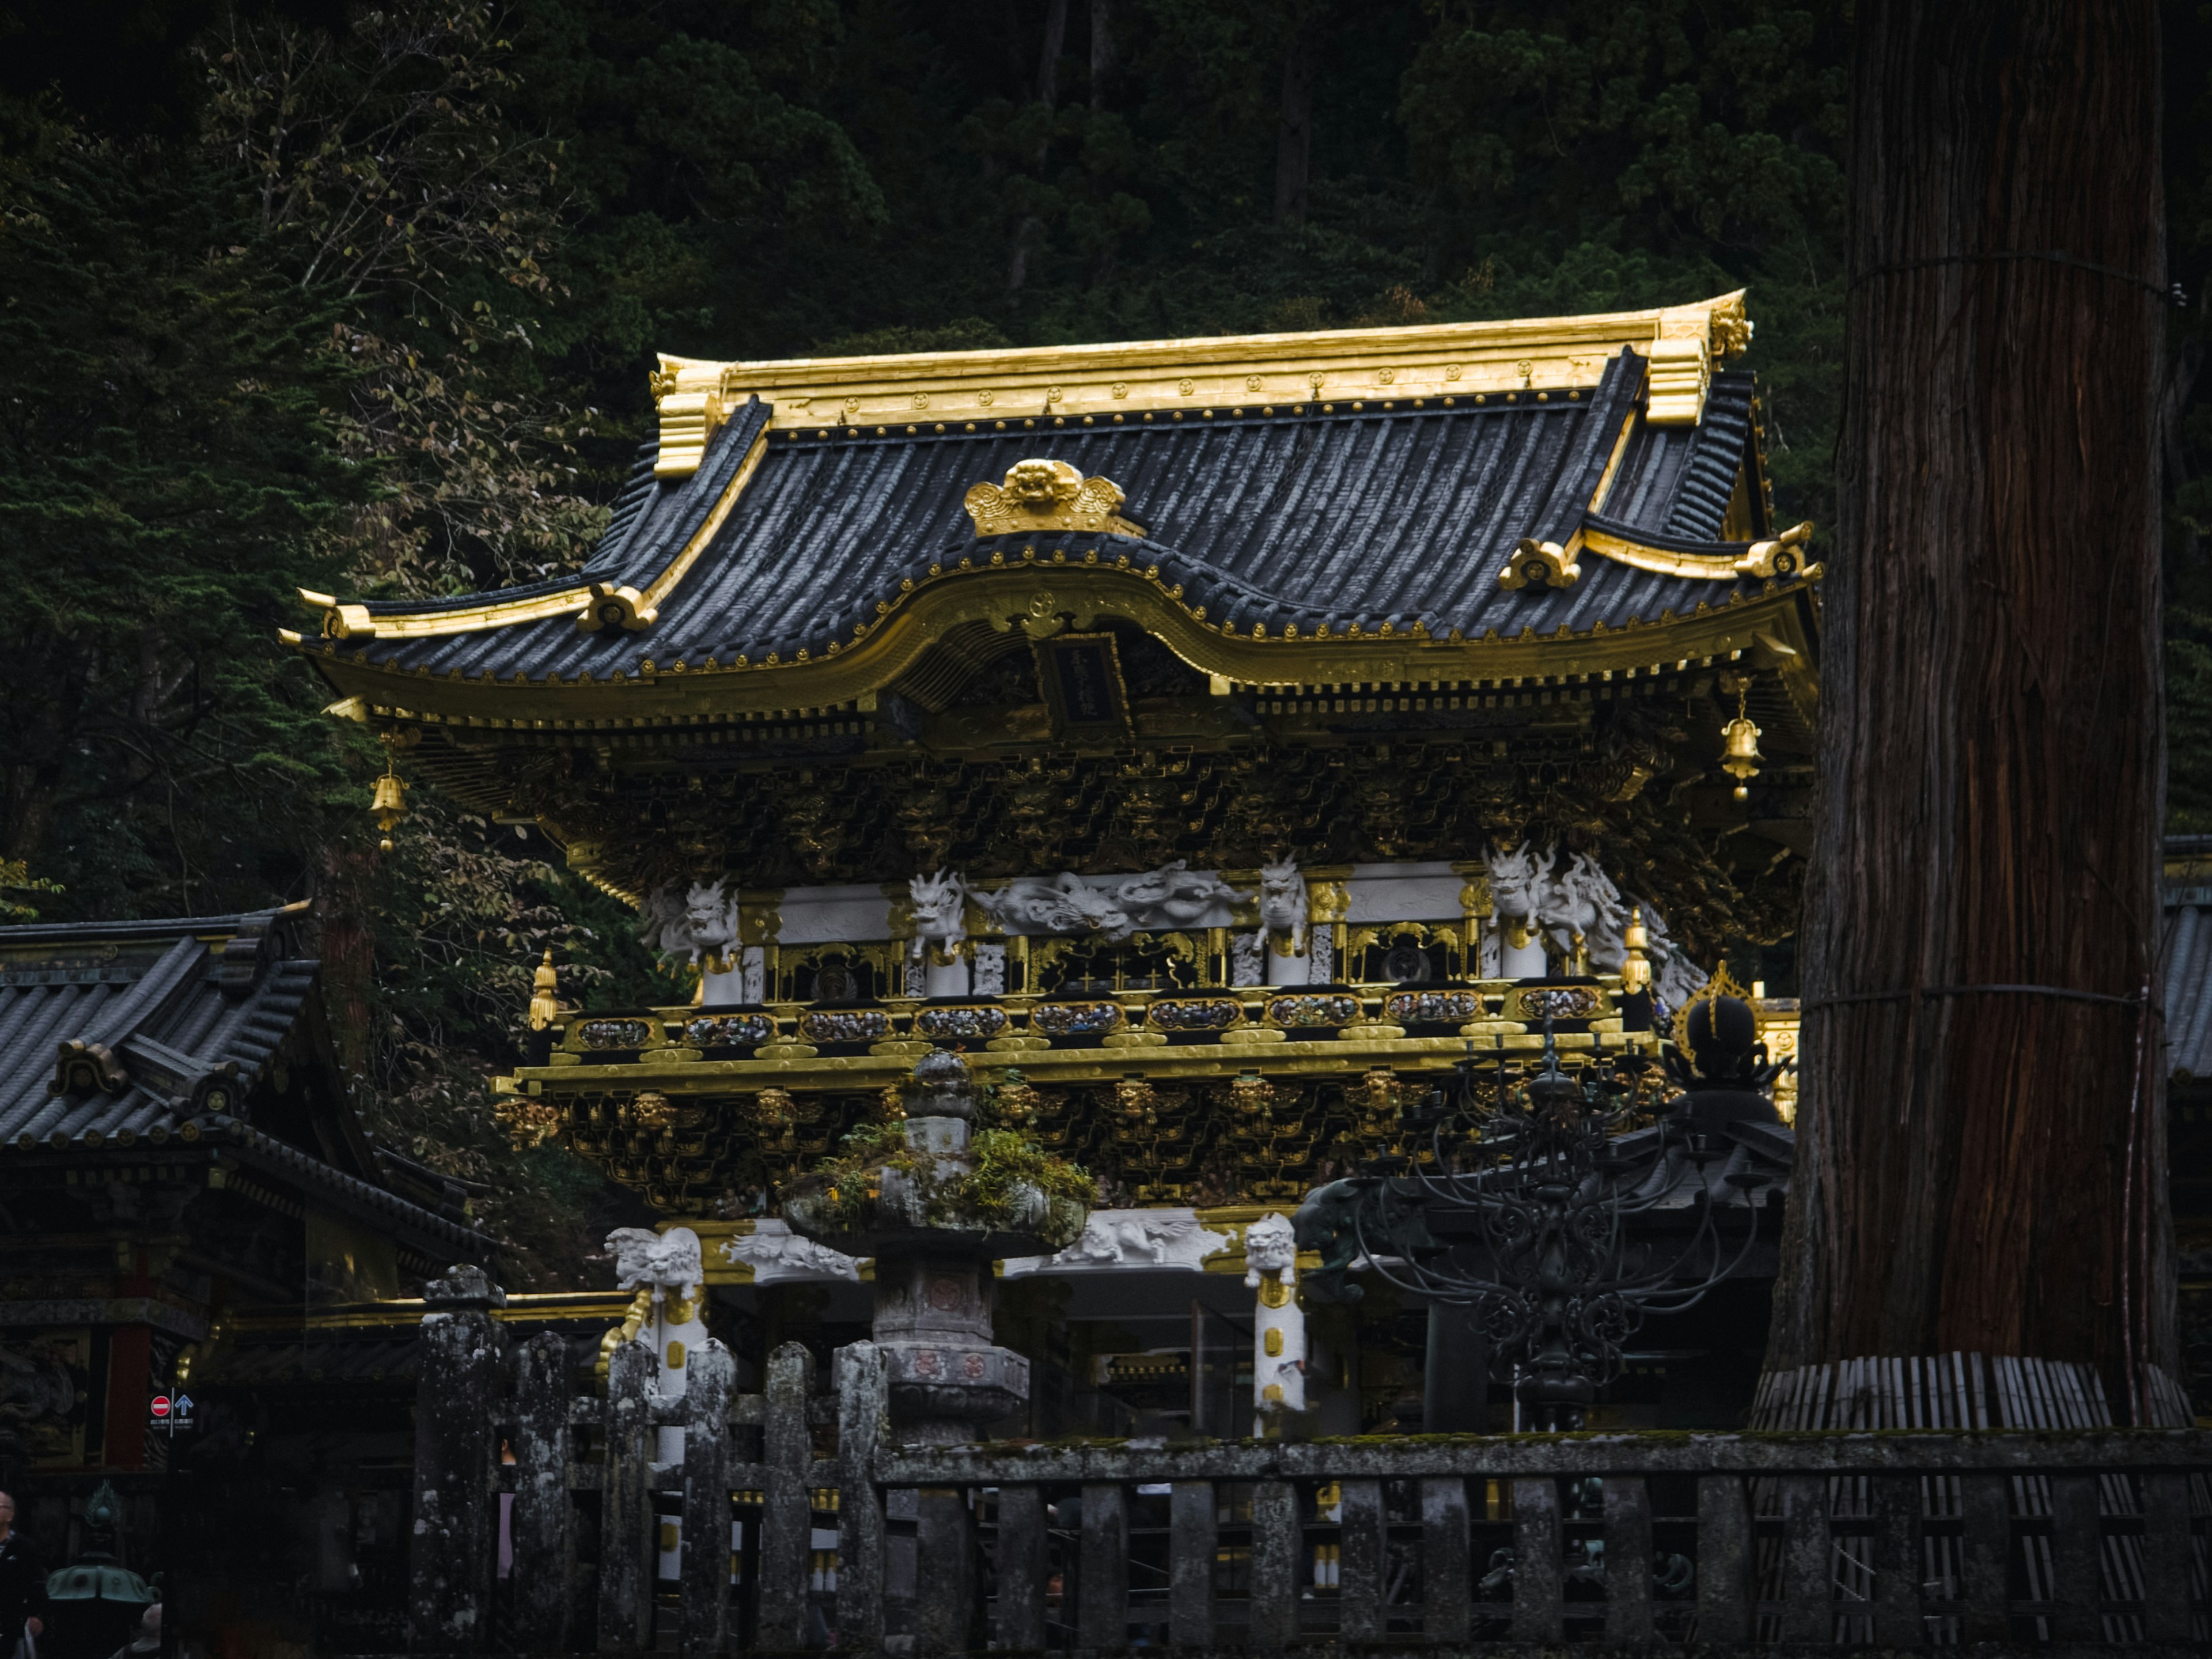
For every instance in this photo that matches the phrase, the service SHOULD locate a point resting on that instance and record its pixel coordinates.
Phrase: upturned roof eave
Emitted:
(1732, 621)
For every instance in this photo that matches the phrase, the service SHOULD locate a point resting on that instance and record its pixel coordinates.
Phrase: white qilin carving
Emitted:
(1581, 899)
(1582, 903)
(656, 1261)
(939, 903)
(1173, 895)
(1131, 1238)
(777, 1255)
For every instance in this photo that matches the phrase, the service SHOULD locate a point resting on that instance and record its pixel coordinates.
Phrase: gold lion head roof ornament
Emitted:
(1042, 495)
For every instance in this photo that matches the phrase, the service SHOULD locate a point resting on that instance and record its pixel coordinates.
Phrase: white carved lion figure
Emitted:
(1282, 905)
(1271, 1246)
(670, 1261)
(940, 902)
(710, 921)
(1519, 881)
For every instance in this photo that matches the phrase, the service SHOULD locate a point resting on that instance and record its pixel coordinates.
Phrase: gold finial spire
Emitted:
(1635, 966)
(544, 984)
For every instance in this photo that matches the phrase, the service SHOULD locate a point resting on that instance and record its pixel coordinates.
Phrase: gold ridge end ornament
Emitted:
(615, 607)
(1042, 495)
(1541, 564)
(1743, 759)
(1784, 556)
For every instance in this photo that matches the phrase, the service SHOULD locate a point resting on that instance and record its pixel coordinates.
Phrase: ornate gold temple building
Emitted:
(1217, 740)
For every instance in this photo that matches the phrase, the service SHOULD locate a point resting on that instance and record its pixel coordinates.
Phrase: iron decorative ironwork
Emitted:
(1553, 1169)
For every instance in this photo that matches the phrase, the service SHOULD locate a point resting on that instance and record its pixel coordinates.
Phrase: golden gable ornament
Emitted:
(1042, 495)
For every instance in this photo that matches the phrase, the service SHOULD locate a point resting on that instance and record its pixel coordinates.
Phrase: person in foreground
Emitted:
(22, 1586)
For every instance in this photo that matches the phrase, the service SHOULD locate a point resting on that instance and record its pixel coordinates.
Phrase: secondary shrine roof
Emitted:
(122, 1038)
(1366, 484)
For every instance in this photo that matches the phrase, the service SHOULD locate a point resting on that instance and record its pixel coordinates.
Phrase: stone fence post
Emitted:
(456, 1447)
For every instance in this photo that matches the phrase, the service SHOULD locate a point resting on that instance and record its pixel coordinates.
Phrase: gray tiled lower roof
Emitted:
(172, 1007)
(2189, 988)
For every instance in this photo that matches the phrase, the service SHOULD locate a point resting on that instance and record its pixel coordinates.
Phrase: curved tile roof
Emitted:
(1398, 511)
(170, 1004)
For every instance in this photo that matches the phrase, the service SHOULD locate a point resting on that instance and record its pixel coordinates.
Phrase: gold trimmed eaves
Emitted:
(593, 605)
(1008, 596)
(1547, 564)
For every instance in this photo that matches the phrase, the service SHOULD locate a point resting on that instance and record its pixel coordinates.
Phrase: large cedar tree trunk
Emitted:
(1986, 1170)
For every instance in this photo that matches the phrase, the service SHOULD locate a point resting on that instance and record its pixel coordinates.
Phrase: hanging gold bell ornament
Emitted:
(1743, 757)
(390, 804)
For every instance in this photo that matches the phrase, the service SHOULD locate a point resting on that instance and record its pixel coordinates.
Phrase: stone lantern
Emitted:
(933, 1250)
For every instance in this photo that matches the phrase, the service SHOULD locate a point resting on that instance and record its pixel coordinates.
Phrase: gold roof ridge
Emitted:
(1685, 343)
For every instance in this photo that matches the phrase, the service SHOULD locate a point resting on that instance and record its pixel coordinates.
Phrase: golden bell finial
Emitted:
(545, 1004)
(1743, 757)
(390, 804)
(1635, 966)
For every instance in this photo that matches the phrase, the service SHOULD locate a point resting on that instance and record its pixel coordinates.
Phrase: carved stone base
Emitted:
(938, 1382)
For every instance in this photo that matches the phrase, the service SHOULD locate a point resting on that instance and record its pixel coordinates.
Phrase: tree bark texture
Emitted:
(1294, 123)
(1986, 1169)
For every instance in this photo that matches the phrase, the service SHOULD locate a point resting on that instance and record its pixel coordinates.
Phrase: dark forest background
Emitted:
(362, 300)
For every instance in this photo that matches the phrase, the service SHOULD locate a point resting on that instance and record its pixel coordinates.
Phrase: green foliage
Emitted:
(992, 1193)
(17, 877)
(1006, 1164)
(169, 467)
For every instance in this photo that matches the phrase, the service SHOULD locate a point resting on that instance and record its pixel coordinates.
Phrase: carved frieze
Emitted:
(1148, 1240)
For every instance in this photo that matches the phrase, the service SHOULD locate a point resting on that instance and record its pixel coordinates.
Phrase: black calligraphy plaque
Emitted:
(1081, 675)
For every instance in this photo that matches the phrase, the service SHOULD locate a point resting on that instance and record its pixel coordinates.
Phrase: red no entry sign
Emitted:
(161, 1406)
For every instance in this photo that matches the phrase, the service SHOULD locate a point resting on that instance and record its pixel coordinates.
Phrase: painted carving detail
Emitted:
(1278, 1323)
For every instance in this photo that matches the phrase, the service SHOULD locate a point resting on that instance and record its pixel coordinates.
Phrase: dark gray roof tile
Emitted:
(1360, 514)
